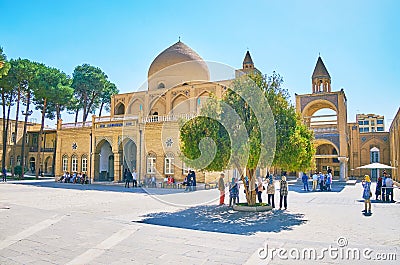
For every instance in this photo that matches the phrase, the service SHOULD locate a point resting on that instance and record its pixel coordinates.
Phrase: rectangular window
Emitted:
(65, 163)
(169, 165)
(379, 121)
(379, 129)
(360, 122)
(366, 129)
(74, 164)
(84, 164)
(361, 130)
(151, 165)
(373, 123)
(366, 122)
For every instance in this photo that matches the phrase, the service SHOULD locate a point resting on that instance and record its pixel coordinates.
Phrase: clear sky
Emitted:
(359, 41)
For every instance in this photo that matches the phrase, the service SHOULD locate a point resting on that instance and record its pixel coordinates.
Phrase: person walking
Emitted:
(389, 189)
(314, 181)
(271, 192)
(233, 191)
(194, 182)
(367, 194)
(221, 188)
(283, 192)
(304, 179)
(134, 179)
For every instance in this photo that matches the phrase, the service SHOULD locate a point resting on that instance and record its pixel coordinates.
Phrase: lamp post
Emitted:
(26, 114)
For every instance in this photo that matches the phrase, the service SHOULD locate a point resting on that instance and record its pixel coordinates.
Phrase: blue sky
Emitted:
(359, 41)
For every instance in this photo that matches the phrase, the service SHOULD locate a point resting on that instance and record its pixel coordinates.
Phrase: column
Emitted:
(343, 168)
(117, 167)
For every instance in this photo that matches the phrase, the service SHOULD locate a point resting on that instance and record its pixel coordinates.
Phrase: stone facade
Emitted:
(395, 146)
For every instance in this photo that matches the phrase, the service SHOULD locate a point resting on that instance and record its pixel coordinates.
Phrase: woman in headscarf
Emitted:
(367, 194)
(283, 192)
(271, 192)
(259, 189)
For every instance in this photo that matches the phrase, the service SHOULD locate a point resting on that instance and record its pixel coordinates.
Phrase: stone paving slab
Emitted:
(96, 225)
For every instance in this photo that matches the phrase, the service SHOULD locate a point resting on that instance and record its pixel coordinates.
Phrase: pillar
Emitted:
(343, 168)
(117, 167)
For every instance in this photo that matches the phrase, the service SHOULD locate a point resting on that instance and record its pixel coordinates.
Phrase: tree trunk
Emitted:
(76, 115)
(251, 196)
(101, 108)
(3, 158)
(28, 101)
(15, 130)
(38, 155)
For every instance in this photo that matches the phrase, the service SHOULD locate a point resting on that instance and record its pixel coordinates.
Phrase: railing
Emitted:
(116, 118)
(164, 118)
(324, 129)
(76, 125)
(35, 149)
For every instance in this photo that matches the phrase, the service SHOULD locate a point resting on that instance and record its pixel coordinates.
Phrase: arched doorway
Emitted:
(104, 162)
(48, 164)
(374, 158)
(32, 164)
(326, 155)
(128, 153)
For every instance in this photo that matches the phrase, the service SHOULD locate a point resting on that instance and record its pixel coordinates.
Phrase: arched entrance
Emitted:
(104, 162)
(48, 165)
(128, 154)
(32, 164)
(327, 156)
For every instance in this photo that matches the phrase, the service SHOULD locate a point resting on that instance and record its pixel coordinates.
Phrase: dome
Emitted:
(188, 65)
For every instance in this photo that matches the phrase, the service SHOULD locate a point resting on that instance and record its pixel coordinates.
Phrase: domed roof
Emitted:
(175, 54)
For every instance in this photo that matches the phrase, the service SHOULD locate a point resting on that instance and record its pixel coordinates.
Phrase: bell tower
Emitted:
(248, 66)
(321, 80)
(325, 112)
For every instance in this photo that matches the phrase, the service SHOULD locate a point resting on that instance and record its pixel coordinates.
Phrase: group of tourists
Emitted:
(323, 181)
(234, 188)
(383, 191)
(190, 181)
(384, 188)
(130, 176)
(76, 178)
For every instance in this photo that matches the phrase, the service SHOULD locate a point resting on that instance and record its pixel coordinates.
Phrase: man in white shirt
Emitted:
(134, 177)
(389, 188)
(314, 181)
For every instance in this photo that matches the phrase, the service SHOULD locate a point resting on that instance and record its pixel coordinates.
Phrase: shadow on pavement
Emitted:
(98, 187)
(223, 219)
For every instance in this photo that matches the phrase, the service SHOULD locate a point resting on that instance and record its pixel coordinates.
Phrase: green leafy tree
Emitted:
(48, 85)
(88, 83)
(243, 139)
(6, 101)
(109, 90)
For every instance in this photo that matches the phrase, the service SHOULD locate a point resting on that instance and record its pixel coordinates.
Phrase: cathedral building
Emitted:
(142, 130)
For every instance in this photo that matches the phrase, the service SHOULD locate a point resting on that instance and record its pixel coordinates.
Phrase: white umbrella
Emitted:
(375, 166)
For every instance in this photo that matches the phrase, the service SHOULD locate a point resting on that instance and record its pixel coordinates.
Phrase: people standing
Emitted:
(233, 191)
(4, 174)
(283, 192)
(314, 181)
(328, 181)
(194, 183)
(221, 188)
(366, 183)
(134, 178)
(389, 189)
(384, 186)
(271, 192)
(128, 178)
(321, 181)
(259, 189)
(304, 179)
(378, 187)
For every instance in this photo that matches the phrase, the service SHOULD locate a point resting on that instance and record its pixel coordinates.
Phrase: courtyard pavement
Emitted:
(43, 222)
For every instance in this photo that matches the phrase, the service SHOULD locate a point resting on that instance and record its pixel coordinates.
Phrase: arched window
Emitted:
(375, 156)
(151, 163)
(119, 109)
(161, 85)
(169, 164)
(84, 163)
(65, 163)
(74, 164)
